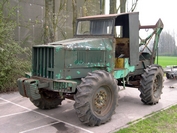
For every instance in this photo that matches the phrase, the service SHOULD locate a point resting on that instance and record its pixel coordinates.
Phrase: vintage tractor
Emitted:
(105, 53)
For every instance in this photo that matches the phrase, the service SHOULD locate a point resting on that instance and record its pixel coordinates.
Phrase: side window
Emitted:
(83, 27)
(101, 27)
(118, 31)
(95, 27)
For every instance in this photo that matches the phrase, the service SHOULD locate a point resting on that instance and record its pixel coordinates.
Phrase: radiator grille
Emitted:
(43, 62)
(90, 56)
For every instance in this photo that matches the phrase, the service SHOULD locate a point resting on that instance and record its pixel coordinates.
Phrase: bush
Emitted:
(11, 65)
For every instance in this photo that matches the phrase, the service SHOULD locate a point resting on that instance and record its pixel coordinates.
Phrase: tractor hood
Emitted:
(71, 58)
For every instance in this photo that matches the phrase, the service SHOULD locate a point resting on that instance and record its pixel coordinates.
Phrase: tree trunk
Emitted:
(74, 4)
(102, 5)
(48, 32)
(122, 5)
(112, 7)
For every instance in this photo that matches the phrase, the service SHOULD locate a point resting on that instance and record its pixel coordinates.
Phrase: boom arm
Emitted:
(157, 28)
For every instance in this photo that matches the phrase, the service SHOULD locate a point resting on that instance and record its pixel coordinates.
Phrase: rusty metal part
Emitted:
(157, 28)
(159, 24)
(101, 101)
(104, 16)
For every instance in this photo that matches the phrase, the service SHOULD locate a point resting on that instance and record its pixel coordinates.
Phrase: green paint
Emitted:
(78, 62)
(132, 68)
(109, 48)
(109, 69)
(107, 64)
(58, 76)
(120, 73)
(57, 49)
(110, 56)
(78, 72)
(124, 72)
(68, 77)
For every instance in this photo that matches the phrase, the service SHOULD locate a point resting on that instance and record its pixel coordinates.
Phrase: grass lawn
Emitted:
(166, 60)
(161, 122)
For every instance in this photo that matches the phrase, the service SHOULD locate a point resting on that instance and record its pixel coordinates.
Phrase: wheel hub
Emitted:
(100, 99)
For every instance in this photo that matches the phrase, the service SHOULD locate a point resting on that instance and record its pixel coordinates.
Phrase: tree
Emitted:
(11, 65)
(57, 13)
(122, 6)
(102, 4)
(113, 6)
(55, 19)
(74, 4)
(167, 44)
(88, 8)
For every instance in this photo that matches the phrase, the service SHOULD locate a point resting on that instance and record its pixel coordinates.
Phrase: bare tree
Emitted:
(74, 4)
(112, 6)
(47, 34)
(167, 44)
(56, 13)
(54, 20)
(59, 19)
(122, 6)
(133, 7)
(102, 5)
(89, 7)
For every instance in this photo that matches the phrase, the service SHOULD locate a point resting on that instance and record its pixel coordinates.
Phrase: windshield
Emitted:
(95, 27)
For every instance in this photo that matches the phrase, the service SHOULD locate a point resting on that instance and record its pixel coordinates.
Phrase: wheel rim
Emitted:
(157, 86)
(102, 101)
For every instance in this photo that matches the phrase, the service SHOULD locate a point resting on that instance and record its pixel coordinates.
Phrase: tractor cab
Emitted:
(122, 28)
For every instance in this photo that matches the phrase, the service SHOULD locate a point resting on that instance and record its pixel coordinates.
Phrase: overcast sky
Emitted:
(151, 10)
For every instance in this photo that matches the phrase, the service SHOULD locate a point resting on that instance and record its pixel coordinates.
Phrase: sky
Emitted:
(151, 10)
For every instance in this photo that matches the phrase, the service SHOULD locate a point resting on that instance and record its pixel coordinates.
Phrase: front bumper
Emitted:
(29, 87)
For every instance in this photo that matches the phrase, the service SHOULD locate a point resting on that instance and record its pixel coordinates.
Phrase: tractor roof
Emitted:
(105, 16)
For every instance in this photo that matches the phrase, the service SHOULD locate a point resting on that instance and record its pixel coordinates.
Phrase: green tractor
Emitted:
(105, 53)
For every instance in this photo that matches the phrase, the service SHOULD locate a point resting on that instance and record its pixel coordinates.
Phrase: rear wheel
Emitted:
(151, 84)
(48, 100)
(96, 98)
(167, 76)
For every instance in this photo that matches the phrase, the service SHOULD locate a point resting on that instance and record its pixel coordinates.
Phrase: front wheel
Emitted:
(151, 84)
(96, 98)
(48, 100)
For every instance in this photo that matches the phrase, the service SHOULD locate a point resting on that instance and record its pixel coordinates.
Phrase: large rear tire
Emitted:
(167, 76)
(96, 98)
(151, 84)
(48, 100)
